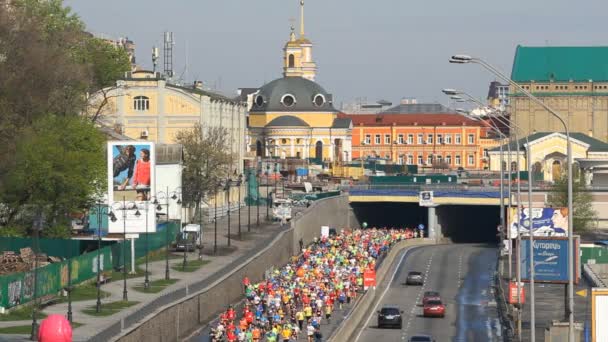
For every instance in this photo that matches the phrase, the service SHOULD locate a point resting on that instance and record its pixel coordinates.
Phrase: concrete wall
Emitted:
(178, 320)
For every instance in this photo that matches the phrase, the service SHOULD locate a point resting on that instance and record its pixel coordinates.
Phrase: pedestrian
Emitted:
(300, 318)
(318, 335)
(310, 331)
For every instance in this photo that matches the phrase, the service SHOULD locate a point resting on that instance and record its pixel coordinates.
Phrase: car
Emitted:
(433, 308)
(430, 295)
(414, 278)
(421, 338)
(390, 316)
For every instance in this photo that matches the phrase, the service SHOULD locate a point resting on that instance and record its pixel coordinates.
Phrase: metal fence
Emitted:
(501, 304)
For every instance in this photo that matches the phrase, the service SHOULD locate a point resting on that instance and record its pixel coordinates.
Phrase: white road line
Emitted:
(420, 292)
(383, 293)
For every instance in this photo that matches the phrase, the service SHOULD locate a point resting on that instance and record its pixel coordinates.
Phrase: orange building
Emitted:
(427, 135)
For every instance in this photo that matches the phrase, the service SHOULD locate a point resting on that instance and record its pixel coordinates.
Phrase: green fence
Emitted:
(18, 288)
(416, 179)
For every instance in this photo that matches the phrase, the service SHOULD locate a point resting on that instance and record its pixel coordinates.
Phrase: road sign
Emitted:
(582, 293)
(425, 198)
(421, 226)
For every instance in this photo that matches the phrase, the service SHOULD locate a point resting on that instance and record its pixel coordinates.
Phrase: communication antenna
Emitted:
(154, 58)
(168, 51)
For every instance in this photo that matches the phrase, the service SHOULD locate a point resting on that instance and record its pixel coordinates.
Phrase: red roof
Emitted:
(427, 119)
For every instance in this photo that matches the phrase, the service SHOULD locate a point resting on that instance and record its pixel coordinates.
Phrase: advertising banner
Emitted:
(599, 314)
(425, 198)
(131, 184)
(369, 279)
(545, 222)
(550, 260)
(513, 293)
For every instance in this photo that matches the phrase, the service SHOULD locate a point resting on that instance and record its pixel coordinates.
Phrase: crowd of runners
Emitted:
(296, 299)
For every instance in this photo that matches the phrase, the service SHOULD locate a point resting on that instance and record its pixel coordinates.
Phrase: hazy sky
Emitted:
(382, 49)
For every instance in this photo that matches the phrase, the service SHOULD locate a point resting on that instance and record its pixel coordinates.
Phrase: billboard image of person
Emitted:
(131, 176)
(545, 222)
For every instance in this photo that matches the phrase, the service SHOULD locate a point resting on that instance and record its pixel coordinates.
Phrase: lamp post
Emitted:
(215, 223)
(464, 59)
(248, 182)
(164, 195)
(69, 288)
(276, 173)
(227, 188)
(267, 193)
(257, 197)
(99, 212)
(37, 225)
(238, 185)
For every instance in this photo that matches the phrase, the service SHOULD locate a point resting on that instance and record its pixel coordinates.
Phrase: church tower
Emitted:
(298, 53)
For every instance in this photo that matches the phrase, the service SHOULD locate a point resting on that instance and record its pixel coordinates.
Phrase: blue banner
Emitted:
(550, 260)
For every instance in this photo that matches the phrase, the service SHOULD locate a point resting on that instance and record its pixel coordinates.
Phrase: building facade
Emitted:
(294, 117)
(571, 80)
(144, 105)
(427, 135)
(498, 95)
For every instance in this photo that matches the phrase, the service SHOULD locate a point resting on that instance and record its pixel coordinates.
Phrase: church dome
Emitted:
(292, 94)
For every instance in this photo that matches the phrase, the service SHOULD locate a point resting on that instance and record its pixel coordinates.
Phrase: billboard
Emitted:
(545, 222)
(131, 178)
(550, 260)
(425, 198)
(599, 314)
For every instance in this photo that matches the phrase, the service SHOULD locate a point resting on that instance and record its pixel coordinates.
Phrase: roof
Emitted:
(212, 95)
(595, 145)
(303, 90)
(287, 121)
(418, 108)
(342, 123)
(560, 63)
(427, 119)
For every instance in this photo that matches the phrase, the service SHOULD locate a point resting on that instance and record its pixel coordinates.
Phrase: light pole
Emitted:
(257, 197)
(215, 223)
(164, 195)
(267, 193)
(99, 212)
(227, 188)
(463, 59)
(146, 278)
(248, 182)
(37, 226)
(238, 185)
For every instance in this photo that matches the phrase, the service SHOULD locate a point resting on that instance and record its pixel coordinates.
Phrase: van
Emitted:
(189, 238)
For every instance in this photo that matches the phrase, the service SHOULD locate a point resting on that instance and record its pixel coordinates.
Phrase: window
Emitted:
(439, 159)
(470, 159)
(429, 159)
(141, 103)
(471, 139)
(440, 138)
(283, 141)
(419, 160)
(448, 138)
(410, 159)
(288, 100)
(401, 160)
(448, 159)
(457, 139)
(429, 139)
(410, 139)
(319, 100)
(377, 140)
(387, 139)
(420, 137)
(457, 159)
(368, 139)
(292, 61)
(485, 152)
(400, 138)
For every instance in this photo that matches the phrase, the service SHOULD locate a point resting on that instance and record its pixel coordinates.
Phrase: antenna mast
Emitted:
(168, 51)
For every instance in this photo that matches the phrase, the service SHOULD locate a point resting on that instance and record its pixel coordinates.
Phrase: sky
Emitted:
(367, 50)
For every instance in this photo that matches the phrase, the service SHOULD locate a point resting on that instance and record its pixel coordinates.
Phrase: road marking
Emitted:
(383, 293)
(420, 292)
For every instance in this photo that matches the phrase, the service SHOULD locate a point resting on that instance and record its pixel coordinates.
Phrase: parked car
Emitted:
(390, 316)
(189, 238)
(430, 295)
(414, 278)
(434, 308)
(421, 338)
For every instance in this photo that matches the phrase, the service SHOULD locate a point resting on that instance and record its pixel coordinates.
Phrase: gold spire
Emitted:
(301, 18)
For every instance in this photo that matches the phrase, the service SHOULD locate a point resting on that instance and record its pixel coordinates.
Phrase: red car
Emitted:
(434, 308)
(430, 295)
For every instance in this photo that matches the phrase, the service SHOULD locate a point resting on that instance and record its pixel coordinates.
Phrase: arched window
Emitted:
(513, 166)
(319, 150)
(292, 61)
(141, 103)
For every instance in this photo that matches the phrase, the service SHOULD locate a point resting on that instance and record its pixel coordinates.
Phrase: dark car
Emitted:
(430, 295)
(390, 316)
(421, 338)
(414, 278)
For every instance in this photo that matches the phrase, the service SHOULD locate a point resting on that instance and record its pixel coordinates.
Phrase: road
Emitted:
(462, 274)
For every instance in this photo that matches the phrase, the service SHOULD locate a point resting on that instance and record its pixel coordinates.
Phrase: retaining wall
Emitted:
(180, 319)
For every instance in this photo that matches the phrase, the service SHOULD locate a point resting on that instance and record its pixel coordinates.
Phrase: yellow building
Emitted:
(548, 152)
(144, 105)
(294, 117)
(571, 80)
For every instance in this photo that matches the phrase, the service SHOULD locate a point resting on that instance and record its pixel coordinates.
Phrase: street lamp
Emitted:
(215, 220)
(98, 209)
(238, 185)
(463, 59)
(227, 189)
(257, 197)
(267, 193)
(164, 195)
(247, 182)
(37, 226)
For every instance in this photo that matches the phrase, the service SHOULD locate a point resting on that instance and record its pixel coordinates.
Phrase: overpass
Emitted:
(462, 213)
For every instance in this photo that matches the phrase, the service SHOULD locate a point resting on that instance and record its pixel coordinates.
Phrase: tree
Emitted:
(59, 166)
(582, 202)
(207, 161)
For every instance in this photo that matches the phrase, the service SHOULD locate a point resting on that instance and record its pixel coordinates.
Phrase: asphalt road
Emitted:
(462, 274)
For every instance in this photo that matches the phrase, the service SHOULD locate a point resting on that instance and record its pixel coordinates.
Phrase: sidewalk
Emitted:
(250, 243)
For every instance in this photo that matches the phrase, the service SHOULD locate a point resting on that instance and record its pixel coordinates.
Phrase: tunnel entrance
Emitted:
(390, 214)
(458, 223)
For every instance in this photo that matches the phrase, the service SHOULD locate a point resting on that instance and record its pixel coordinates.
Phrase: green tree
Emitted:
(582, 201)
(59, 167)
(207, 161)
